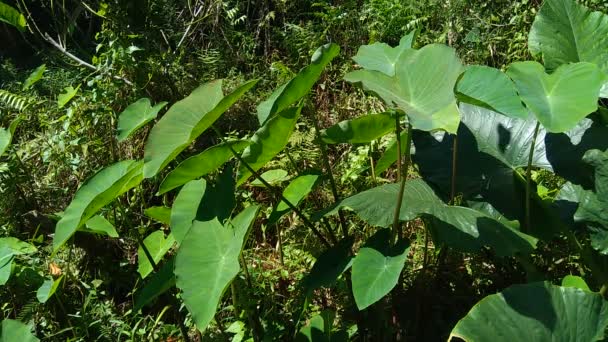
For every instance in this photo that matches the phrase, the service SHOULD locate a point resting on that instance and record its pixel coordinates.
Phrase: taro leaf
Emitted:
(464, 229)
(47, 289)
(390, 154)
(361, 130)
(66, 96)
(185, 208)
(158, 246)
(329, 266)
(575, 281)
(500, 145)
(34, 77)
(268, 141)
(159, 283)
(536, 312)
(6, 135)
(12, 16)
(490, 88)
(160, 214)
(272, 177)
(15, 331)
(295, 192)
(320, 329)
(185, 121)
(559, 100)
(243, 222)
(99, 225)
(97, 192)
(381, 57)
(565, 31)
(219, 199)
(9, 247)
(377, 267)
(135, 116)
(206, 263)
(423, 86)
(299, 86)
(201, 164)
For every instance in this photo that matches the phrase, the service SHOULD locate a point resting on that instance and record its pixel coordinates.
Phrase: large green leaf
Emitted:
(201, 164)
(423, 86)
(272, 177)
(159, 283)
(185, 208)
(160, 214)
(243, 222)
(47, 289)
(16, 331)
(462, 228)
(6, 135)
(559, 100)
(361, 130)
(499, 146)
(377, 267)
(185, 121)
(268, 141)
(536, 312)
(381, 57)
(206, 263)
(490, 88)
(300, 85)
(97, 192)
(565, 31)
(135, 116)
(158, 246)
(99, 225)
(12, 16)
(295, 192)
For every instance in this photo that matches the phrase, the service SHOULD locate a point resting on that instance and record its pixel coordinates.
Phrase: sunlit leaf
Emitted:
(34, 77)
(360, 130)
(185, 208)
(47, 289)
(160, 214)
(135, 116)
(99, 225)
(16, 331)
(12, 16)
(157, 246)
(295, 192)
(381, 57)
(272, 177)
(65, 97)
(6, 135)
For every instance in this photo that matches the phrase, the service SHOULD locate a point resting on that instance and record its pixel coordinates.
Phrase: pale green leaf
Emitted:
(361, 130)
(158, 246)
(135, 116)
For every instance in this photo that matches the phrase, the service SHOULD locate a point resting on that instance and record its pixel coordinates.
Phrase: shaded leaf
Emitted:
(185, 208)
(34, 77)
(99, 225)
(295, 192)
(361, 130)
(135, 116)
(329, 266)
(389, 157)
(47, 289)
(6, 135)
(16, 331)
(536, 312)
(158, 246)
(159, 283)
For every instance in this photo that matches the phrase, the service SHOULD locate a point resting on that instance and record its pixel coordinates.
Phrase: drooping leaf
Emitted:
(272, 177)
(295, 192)
(377, 267)
(536, 312)
(201, 164)
(158, 246)
(462, 228)
(34, 77)
(268, 141)
(329, 266)
(361, 130)
(12, 16)
(390, 154)
(185, 208)
(135, 116)
(564, 31)
(559, 100)
(185, 121)
(300, 85)
(490, 88)
(159, 283)
(47, 289)
(205, 265)
(160, 214)
(99, 225)
(576, 282)
(6, 135)
(16, 331)
(500, 146)
(97, 192)
(423, 86)
(381, 57)
(65, 97)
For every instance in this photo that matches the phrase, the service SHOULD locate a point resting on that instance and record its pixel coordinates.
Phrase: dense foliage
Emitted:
(268, 170)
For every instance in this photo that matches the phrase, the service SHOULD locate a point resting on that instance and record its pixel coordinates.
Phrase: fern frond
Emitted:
(14, 101)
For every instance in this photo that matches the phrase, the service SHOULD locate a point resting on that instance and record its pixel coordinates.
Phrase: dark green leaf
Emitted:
(390, 154)
(361, 130)
(158, 246)
(15, 331)
(159, 283)
(295, 192)
(185, 208)
(47, 289)
(329, 266)
(6, 135)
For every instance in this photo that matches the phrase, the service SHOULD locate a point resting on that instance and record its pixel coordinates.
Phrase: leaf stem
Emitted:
(454, 167)
(529, 176)
(403, 173)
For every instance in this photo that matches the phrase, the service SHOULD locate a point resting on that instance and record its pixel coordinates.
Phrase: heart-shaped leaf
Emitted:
(381, 57)
(185, 207)
(422, 87)
(135, 116)
(559, 100)
(13, 330)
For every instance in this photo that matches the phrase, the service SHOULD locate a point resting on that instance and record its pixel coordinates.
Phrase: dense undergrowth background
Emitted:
(163, 49)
